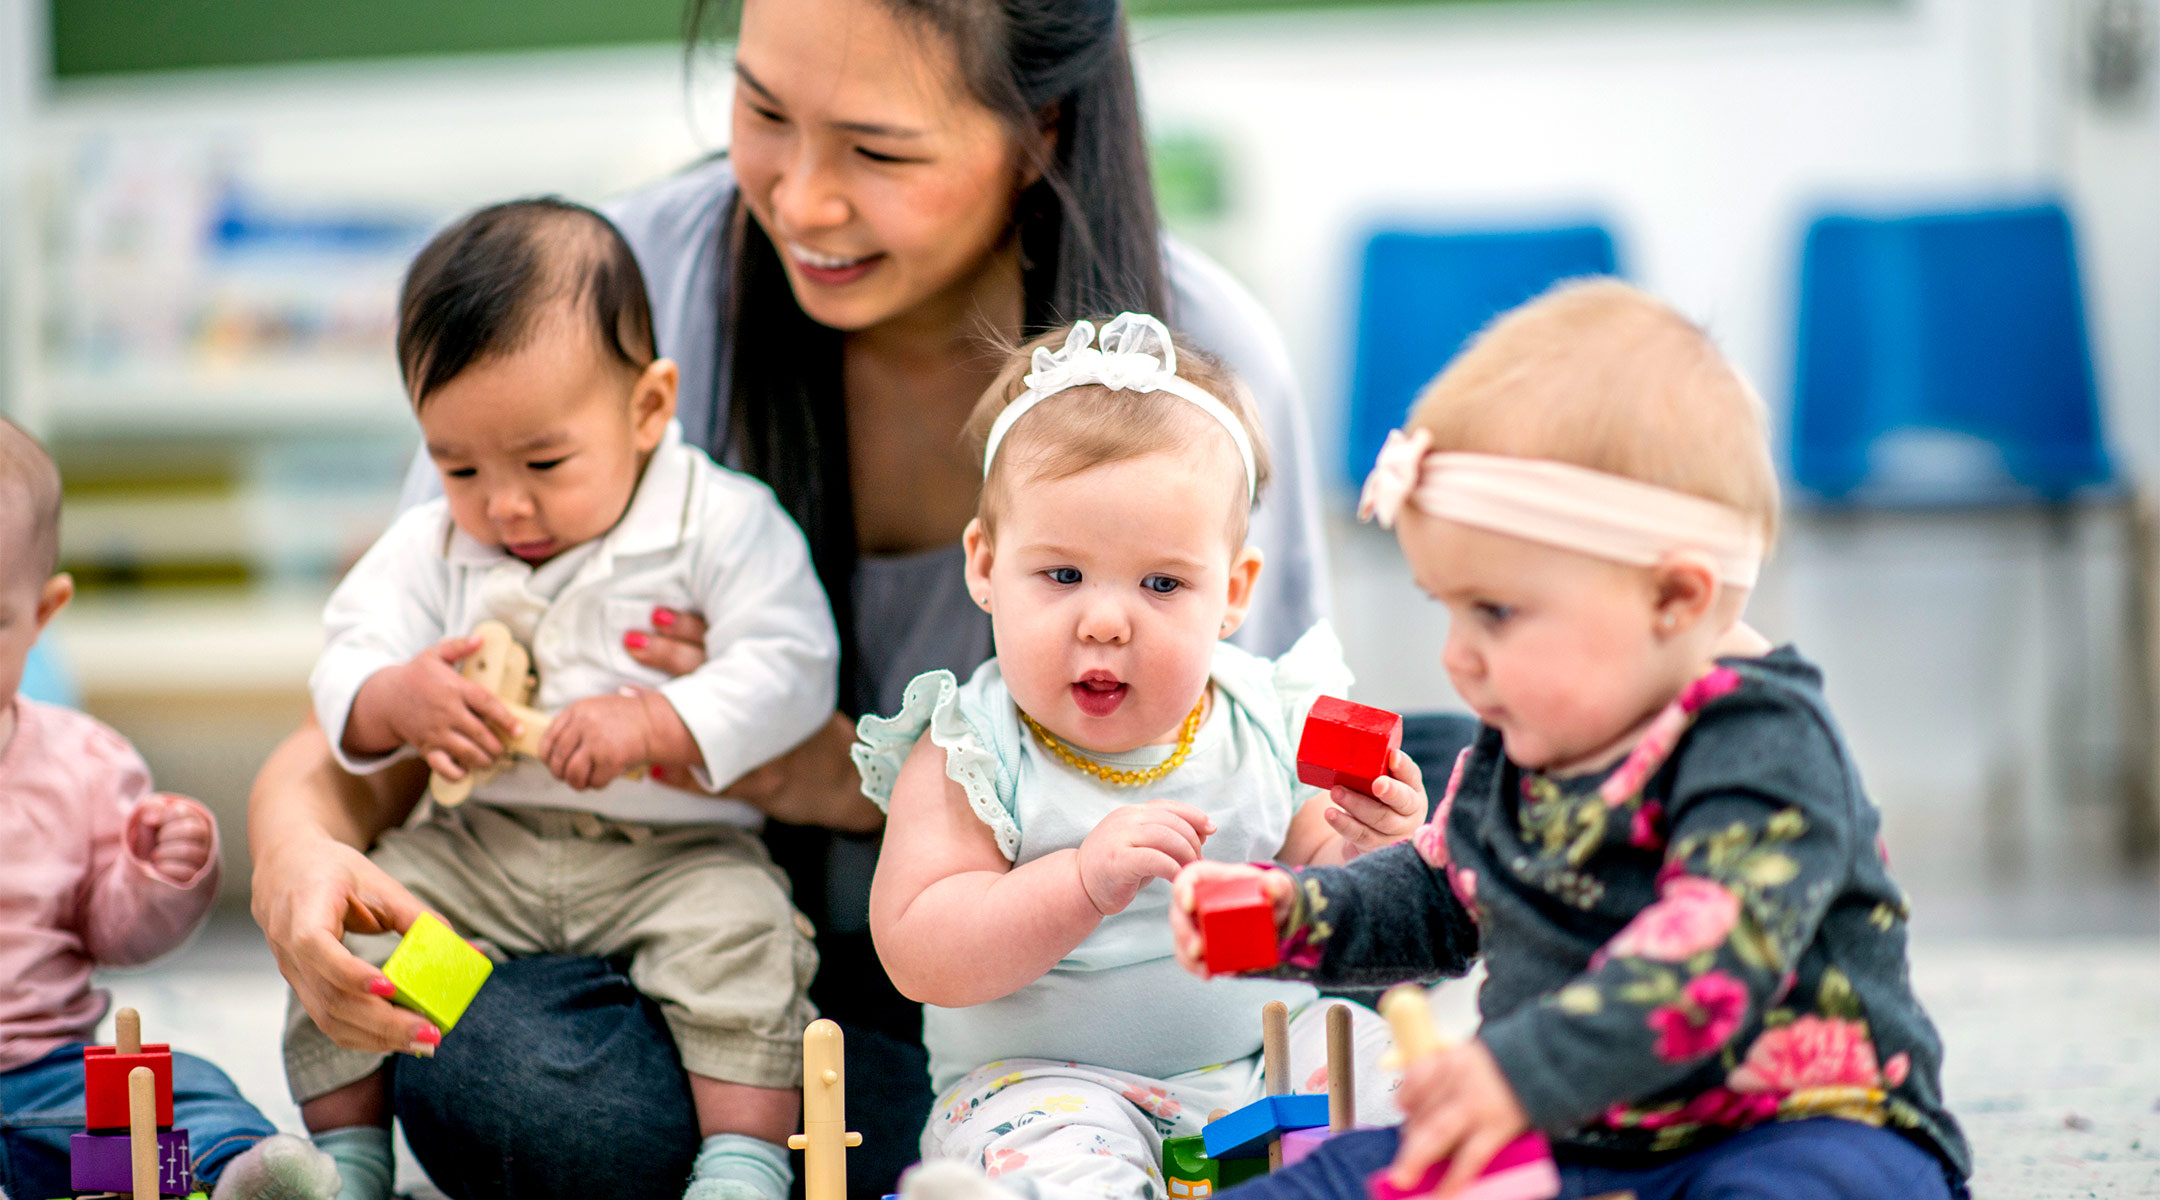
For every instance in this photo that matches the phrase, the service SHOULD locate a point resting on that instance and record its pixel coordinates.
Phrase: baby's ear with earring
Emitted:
(981, 556)
(1244, 583)
(1685, 586)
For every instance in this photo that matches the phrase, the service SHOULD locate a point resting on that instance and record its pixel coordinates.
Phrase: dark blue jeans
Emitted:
(562, 1081)
(41, 1106)
(1820, 1159)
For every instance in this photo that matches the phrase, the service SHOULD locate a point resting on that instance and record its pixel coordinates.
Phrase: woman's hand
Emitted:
(1391, 814)
(308, 895)
(1276, 884)
(1457, 1106)
(1137, 844)
(813, 784)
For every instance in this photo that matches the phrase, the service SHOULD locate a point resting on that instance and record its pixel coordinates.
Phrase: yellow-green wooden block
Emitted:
(436, 972)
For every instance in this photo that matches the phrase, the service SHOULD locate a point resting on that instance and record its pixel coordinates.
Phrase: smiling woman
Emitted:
(912, 186)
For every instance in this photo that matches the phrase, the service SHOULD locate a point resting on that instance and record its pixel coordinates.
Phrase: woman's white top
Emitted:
(1120, 999)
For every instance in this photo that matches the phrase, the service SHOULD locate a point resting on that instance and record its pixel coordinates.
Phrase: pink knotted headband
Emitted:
(1560, 504)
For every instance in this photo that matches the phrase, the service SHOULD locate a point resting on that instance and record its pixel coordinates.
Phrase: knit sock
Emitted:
(279, 1167)
(734, 1166)
(364, 1161)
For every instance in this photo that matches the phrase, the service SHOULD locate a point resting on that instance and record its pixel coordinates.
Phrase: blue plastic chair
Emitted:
(45, 679)
(1942, 359)
(1423, 294)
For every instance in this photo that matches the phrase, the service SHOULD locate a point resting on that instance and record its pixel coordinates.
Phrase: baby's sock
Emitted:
(364, 1161)
(733, 1166)
(279, 1167)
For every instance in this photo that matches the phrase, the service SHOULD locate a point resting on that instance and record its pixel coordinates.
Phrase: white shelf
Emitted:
(253, 397)
(234, 641)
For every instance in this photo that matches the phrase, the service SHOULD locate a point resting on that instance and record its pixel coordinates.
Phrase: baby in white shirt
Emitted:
(571, 510)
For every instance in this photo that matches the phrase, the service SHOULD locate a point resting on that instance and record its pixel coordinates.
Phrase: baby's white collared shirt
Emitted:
(696, 538)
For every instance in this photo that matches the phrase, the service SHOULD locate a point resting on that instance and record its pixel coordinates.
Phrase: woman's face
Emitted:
(886, 187)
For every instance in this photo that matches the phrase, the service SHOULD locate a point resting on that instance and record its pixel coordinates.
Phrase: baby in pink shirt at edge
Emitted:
(95, 869)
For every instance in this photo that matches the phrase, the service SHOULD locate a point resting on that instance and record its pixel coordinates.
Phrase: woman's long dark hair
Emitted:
(1088, 238)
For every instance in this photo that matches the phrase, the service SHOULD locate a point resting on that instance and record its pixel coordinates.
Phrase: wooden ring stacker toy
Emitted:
(1522, 1170)
(504, 668)
(825, 1139)
(128, 1086)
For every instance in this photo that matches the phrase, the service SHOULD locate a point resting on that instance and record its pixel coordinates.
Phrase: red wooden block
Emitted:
(105, 1084)
(1347, 743)
(1238, 925)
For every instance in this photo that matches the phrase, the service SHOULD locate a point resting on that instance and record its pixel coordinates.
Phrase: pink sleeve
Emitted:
(131, 913)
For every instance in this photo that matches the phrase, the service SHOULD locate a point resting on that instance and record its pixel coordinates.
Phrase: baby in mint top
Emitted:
(1119, 999)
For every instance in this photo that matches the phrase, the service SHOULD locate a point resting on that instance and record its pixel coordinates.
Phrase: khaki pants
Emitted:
(700, 911)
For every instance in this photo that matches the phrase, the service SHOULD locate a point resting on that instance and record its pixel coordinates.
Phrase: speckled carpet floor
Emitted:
(2053, 1041)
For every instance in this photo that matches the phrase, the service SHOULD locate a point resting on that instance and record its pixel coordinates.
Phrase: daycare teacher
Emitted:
(908, 182)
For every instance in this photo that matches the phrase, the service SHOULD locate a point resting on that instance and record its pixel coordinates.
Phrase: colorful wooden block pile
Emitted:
(130, 1146)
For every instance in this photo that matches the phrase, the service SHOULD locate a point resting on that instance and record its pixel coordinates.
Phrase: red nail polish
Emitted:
(635, 640)
(663, 617)
(379, 986)
(428, 1035)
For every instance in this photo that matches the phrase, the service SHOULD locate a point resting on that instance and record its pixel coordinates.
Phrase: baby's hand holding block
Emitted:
(436, 972)
(1347, 744)
(1237, 923)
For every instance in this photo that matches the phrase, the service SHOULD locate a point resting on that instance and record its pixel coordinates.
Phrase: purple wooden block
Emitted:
(1298, 1143)
(99, 1162)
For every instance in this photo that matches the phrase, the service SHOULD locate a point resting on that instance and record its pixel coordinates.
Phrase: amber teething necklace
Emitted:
(1112, 775)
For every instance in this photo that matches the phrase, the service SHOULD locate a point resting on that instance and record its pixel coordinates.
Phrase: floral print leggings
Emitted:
(1063, 1131)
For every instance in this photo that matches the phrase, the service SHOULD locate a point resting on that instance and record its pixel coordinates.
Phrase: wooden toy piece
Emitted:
(1247, 1132)
(1275, 1062)
(1522, 1170)
(105, 1162)
(1237, 925)
(1190, 1174)
(142, 1131)
(1348, 744)
(106, 1070)
(436, 972)
(505, 668)
(1341, 1071)
(825, 1139)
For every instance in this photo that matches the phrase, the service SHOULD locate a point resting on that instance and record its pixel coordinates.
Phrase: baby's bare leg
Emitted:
(767, 1114)
(364, 1101)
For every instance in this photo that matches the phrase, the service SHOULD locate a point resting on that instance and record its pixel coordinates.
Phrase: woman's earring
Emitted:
(1667, 622)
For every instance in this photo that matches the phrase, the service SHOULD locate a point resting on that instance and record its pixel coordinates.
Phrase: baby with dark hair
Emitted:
(95, 870)
(571, 510)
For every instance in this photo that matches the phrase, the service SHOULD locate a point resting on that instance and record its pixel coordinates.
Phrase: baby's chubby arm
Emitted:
(956, 924)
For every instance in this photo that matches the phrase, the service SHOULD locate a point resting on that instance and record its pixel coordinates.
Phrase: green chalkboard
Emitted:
(118, 37)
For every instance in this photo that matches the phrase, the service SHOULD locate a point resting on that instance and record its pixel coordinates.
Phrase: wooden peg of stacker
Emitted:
(1341, 1072)
(1409, 1015)
(127, 1031)
(142, 1129)
(825, 1139)
(1275, 1062)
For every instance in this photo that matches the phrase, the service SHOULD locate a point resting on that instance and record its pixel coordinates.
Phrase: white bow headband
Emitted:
(1559, 504)
(1136, 355)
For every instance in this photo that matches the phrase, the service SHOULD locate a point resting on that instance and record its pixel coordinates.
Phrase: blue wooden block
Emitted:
(1247, 1132)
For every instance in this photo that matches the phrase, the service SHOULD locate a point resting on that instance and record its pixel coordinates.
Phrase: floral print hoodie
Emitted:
(1701, 939)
